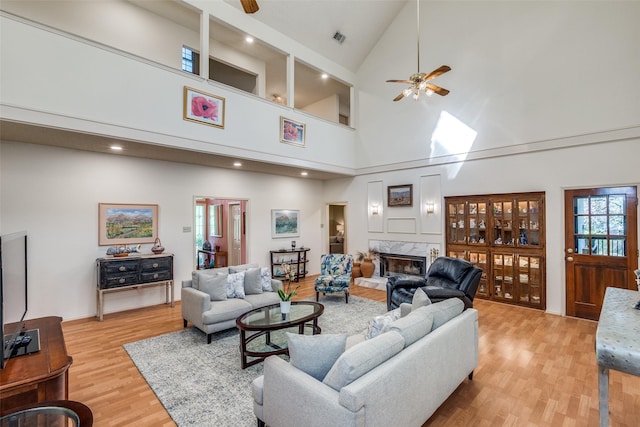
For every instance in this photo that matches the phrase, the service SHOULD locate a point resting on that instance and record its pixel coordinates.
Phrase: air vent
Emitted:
(339, 37)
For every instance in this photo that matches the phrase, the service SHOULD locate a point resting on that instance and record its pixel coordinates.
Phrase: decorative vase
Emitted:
(355, 270)
(367, 268)
(157, 247)
(285, 308)
(206, 245)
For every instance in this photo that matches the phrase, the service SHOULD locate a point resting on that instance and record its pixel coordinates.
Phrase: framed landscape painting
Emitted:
(285, 223)
(400, 195)
(202, 107)
(125, 224)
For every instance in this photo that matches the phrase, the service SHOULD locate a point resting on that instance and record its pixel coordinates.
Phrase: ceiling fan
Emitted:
(250, 6)
(420, 81)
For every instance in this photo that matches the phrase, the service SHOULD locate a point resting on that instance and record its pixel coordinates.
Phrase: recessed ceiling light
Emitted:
(237, 164)
(116, 148)
(249, 39)
(304, 173)
(325, 75)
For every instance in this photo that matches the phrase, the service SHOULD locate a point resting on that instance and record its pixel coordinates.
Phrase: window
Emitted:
(190, 61)
(600, 225)
(200, 225)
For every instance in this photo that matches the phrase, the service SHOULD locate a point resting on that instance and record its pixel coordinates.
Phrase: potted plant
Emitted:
(286, 293)
(367, 267)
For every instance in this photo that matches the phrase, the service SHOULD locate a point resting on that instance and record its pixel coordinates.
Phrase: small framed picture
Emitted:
(285, 223)
(292, 132)
(202, 107)
(400, 195)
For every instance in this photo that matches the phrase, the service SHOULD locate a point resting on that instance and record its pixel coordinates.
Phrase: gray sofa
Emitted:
(209, 303)
(398, 378)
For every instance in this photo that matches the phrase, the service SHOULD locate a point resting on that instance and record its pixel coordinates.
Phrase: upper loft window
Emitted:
(190, 61)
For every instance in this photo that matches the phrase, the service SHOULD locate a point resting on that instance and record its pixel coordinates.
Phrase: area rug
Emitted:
(203, 385)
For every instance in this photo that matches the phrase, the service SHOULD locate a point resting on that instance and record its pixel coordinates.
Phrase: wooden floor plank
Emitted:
(535, 369)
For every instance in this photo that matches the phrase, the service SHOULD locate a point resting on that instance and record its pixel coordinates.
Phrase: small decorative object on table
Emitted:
(157, 247)
(285, 293)
(293, 245)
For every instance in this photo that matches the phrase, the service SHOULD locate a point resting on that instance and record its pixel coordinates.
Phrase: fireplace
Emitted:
(402, 265)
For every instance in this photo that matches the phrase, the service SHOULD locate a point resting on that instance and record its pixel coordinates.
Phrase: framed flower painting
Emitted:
(202, 107)
(292, 132)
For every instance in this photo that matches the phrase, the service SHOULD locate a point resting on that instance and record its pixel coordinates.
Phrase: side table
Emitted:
(617, 341)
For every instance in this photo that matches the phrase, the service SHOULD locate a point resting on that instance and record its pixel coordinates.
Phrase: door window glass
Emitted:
(600, 225)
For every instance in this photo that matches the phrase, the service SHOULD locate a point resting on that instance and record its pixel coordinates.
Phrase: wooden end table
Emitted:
(265, 320)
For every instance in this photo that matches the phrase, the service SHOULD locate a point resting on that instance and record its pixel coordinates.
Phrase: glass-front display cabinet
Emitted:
(503, 234)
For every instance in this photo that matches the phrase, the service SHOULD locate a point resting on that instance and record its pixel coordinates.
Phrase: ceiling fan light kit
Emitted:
(419, 81)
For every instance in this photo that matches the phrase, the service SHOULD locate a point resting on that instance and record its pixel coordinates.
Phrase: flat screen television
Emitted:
(13, 298)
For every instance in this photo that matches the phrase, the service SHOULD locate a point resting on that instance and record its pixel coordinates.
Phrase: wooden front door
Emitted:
(601, 246)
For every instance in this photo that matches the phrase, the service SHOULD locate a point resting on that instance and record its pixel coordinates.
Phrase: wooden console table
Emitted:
(38, 376)
(617, 341)
(132, 272)
(216, 258)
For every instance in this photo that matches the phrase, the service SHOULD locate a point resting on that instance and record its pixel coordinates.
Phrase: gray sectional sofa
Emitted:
(398, 378)
(214, 298)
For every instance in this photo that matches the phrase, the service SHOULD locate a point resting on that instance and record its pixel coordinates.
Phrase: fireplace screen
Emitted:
(396, 264)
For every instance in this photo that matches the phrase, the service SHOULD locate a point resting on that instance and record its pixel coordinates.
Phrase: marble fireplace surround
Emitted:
(413, 250)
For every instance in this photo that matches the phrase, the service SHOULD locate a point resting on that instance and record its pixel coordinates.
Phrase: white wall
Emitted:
(327, 108)
(54, 193)
(522, 72)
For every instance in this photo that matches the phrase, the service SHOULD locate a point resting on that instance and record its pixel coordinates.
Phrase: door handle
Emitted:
(570, 250)
(569, 258)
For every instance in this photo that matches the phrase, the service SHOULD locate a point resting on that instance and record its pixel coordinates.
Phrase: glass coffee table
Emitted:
(262, 331)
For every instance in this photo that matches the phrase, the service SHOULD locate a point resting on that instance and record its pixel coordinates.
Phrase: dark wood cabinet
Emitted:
(296, 257)
(503, 234)
(39, 376)
(121, 274)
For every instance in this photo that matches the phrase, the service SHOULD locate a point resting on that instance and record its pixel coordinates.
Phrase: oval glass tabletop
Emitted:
(270, 316)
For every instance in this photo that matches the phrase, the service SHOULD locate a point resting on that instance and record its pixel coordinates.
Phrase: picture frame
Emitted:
(125, 224)
(400, 195)
(285, 223)
(202, 107)
(292, 132)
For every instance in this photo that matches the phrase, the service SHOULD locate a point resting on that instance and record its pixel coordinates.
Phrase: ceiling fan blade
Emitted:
(437, 89)
(438, 71)
(400, 81)
(399, 97)
(250, 6)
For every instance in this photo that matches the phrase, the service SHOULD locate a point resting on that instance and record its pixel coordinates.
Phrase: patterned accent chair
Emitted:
(335, 275)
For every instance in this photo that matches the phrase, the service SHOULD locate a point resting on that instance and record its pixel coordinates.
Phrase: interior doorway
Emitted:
(219, 231)
(601, 246)
(336, 228)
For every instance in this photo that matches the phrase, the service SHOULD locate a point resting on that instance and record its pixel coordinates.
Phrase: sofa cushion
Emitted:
(363, 357)
(420, 299)
(222, 311)
(241, 267)
(315, 354)
(263, 299)
(201, 274)
(214, 285)
(235, 285)
(444, 311)
(265, 279)
(252, 282)
(380, 324)
(414, 326)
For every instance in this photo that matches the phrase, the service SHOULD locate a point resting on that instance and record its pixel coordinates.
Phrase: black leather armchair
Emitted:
(446, 278)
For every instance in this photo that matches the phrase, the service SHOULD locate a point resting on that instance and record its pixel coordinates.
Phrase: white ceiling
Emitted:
(314, 22)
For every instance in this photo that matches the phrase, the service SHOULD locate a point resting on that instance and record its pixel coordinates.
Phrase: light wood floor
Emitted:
(535, 369)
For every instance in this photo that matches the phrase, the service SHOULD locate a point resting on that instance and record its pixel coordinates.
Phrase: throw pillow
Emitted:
(362, 358)
(381, 324)
(215, 286)
(198, 274)
(265, 279)
(420, 299)
(414, 326)
(444, 311)
(252, 282)
(315, 354)
(235, 285)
